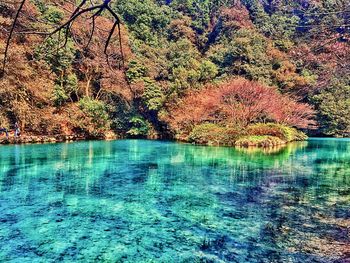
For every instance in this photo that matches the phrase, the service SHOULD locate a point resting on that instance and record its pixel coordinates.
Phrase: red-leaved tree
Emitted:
(239, 102)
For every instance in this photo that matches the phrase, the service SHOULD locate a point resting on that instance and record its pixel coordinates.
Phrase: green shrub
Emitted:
(208, 70)
(64, 88)
(261, 135)
(259, 141)
(139, 127)
(333, 105)
(283, 132)
(136, 71)
(40, 4)
(59, 59)
(152, 96)
(71, 83)
(59, 95)
(49, 13)
(213, 134)
(53, 15)
(119, 111)
(96, 116)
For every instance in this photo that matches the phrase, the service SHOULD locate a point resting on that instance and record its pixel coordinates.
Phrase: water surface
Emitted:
(152, 201)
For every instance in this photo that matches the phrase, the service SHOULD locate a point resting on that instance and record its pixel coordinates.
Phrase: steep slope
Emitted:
(173, 51)
(51, 89)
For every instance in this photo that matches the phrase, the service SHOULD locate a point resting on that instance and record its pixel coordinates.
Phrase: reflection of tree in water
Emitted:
(62, 164)
(310, 213)
(199, 181)
(158, 198)
(293, 199)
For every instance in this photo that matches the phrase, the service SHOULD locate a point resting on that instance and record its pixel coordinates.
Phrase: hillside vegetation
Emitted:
(245, 72)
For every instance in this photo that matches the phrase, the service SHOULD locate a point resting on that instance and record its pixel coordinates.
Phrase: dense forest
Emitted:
(216, 72)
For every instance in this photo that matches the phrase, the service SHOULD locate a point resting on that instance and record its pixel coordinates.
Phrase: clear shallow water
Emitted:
(151, 201)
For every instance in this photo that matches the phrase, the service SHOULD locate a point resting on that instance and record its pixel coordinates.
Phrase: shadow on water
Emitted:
(134, 200)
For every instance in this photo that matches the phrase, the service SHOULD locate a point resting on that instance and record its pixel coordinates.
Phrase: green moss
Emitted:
(260, 135)
(259, 141)
(283, 132)
(269, 135)
(213, 134)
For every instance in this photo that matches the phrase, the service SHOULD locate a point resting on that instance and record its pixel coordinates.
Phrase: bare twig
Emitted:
(119, 34)
(2, 73)
(92, 32)
(78, 11)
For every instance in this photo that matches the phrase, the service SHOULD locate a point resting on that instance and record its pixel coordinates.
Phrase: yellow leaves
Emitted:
(236, 17)
(287, 76)
(5, 21)
(274, 53)
(284, 71)
(181, 28)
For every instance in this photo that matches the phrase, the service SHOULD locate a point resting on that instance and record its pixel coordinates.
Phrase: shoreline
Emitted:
(37, 139)
(40, 139)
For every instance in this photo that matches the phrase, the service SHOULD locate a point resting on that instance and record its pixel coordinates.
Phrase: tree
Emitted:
(79, 11)
(181, 28)
(253, 56)
(146, 20)
(238, 103)
(198, 10)
(152, 97)
(96, 121)
(333, 105)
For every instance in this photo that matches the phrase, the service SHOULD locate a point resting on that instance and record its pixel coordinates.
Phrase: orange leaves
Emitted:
(287, 77)
(181, 28)
(236, 17)
(239, 102)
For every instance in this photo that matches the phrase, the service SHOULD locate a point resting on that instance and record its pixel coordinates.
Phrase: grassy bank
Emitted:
(255, 135)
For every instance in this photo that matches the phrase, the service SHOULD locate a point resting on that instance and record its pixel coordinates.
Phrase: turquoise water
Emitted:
(152, 201)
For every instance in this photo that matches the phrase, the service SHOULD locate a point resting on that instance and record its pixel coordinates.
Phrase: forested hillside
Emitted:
(196, 70)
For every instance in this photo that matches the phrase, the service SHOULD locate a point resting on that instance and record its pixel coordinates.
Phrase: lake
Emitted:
(156, 201)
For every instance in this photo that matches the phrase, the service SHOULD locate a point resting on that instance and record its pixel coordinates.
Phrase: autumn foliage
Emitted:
(239, 102)
(268, 56)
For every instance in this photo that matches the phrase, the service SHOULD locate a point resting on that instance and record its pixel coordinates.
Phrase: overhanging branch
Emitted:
(96, 10)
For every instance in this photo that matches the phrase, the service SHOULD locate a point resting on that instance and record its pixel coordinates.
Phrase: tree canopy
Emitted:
(134, 64)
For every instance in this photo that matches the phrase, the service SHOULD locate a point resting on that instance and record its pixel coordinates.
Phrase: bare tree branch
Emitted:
(78, 11)
(119, 34)
(92, 31)
(2, 73)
